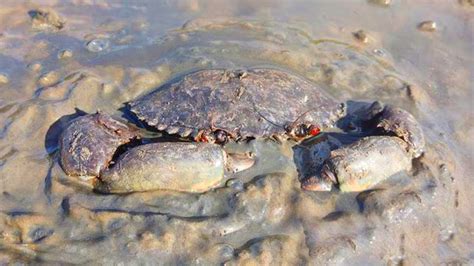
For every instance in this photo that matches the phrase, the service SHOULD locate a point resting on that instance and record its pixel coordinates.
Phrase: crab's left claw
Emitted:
(395, 139)
(396, 121)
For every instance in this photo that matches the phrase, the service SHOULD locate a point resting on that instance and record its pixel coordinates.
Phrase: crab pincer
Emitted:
(402, 124)
(179, 166)
(90, 142)
(370, 160)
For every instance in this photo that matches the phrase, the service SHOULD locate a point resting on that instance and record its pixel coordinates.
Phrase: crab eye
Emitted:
(221, 136)
(301, 130)
(314, 130)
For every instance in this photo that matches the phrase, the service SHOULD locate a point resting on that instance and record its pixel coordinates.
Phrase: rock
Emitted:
(64, 54)
(35, 67)
(428, 26)
(3, 79)
(46, 19)
(361, 36)
(381, 2)
(48, 79)
(466, 2)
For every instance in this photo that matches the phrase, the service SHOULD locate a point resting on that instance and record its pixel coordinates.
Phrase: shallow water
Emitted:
(123, 50)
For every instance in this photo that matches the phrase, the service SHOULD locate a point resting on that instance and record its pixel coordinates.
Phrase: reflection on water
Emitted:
(107, 53)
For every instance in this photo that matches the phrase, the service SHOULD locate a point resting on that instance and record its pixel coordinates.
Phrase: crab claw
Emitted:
(179, 166)
(402, 124)
(366, 162)
(88, 144)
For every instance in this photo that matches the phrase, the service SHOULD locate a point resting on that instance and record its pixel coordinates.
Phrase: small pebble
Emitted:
(48, 79)
(361, 36)
(381, 2)
(183, 37)
(446, 234)
(226, 251)
(141, 25)
(65, 54)
(38, 234)
(3, 79)
(466, 2)
(427, 26)
(35, 67)
(46, 19)
(98, 45)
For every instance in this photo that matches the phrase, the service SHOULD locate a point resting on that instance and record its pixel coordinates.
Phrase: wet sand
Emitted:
(97, 55)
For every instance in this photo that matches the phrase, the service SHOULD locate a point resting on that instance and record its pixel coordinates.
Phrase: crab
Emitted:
(209, 108)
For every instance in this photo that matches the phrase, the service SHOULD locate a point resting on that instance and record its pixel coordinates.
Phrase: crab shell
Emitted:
(253, 103)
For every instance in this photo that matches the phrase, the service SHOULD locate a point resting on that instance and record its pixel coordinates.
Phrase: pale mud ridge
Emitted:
(99, 54)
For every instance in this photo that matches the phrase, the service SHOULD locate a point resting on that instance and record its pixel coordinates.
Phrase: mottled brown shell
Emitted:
(252, 103)
(89, 143)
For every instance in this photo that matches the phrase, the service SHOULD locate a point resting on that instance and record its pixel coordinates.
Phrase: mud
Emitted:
(121, 51)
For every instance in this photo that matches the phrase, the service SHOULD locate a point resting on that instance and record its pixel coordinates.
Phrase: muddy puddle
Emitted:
(62, 59)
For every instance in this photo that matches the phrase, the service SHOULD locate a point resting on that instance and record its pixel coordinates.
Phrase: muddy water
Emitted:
(101, 54)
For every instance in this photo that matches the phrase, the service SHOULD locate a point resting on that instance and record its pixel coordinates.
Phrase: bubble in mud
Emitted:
(235, 184)
(379, 52)
(98, 45)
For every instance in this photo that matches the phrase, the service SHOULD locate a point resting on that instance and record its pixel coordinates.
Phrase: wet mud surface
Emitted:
(62, 59)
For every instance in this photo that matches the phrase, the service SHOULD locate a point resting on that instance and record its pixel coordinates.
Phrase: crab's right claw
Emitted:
(88, 144)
